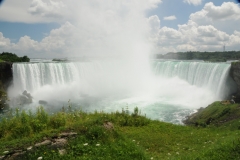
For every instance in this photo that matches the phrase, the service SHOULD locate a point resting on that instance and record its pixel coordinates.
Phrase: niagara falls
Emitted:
(169, 91)
(119, 80)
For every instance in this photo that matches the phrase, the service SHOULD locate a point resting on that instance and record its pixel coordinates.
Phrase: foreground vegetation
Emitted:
(129, 136)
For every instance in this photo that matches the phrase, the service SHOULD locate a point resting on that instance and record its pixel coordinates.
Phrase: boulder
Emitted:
(42, 102)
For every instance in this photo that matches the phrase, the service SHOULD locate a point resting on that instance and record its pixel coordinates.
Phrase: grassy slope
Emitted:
(133, 137)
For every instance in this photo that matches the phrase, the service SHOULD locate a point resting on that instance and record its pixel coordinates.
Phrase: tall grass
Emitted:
(132, 136)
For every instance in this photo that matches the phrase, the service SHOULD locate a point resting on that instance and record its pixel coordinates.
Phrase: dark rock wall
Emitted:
(235, 74)
(6, 75)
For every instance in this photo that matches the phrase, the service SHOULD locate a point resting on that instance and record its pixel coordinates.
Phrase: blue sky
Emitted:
(56, 28)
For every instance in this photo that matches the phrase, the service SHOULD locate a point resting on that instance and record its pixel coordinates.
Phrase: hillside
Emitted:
(77, 135)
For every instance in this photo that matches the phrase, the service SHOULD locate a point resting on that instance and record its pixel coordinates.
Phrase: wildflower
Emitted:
(133, 140)
(97, 144)
(169, 154)
(177, 153)
(151, 157)
(39, 158)
(85, 144)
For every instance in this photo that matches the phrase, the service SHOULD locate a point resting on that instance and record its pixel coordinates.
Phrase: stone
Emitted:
(108, 125)
(16, 155)
(29, 148)
(44, 143)
(62, 151)
(42, 102)
(67, 134)
(59, 143)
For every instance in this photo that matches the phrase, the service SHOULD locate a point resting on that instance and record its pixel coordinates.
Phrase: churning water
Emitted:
(169, 92)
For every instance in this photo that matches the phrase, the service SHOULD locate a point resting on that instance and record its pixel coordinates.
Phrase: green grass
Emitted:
(217, 114)
(133, 137)
(1, 60)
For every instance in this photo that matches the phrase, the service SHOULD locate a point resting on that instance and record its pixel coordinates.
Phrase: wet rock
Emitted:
(235, 74)
(6, 75)
(42, 102)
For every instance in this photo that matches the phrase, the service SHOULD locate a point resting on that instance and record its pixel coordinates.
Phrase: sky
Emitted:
(60, 28)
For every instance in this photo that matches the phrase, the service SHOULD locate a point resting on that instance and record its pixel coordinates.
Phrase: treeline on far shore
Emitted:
(11, 57)
(206, 56)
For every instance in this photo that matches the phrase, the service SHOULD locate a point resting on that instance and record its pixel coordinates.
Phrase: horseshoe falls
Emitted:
(169, 91)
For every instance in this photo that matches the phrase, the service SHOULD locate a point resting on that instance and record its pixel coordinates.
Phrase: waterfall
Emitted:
(213, 76)
(168, 92)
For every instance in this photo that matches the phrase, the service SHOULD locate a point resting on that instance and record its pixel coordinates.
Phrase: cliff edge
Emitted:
(6, 75)
(235, 74)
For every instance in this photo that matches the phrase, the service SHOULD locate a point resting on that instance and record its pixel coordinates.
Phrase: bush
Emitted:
(58, 120)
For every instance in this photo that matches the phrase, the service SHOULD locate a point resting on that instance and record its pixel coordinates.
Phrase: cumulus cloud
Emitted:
(4, 42)
(170, 18)
(225, 17)
(115, 28)
(228, 10)
(94, 27)
(154, 23)
(206, 30)
(195, 37)
(210, 12)
(18, 11)
(193, 2)
(50, 8)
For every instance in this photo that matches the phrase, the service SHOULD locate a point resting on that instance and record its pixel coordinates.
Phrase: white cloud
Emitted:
(228, 10)
(206, 30)
(193, 2)
(94, 27)
(154, 23)
(225, 17)
(114, 27)
(195, 37)
(4, 42)
(170, 18)
(50, 8)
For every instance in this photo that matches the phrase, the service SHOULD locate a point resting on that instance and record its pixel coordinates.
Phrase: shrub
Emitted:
(58, 120)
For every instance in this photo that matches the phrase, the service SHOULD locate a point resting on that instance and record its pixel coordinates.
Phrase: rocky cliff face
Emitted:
(235, 74)
(6, 78)
(6, 75)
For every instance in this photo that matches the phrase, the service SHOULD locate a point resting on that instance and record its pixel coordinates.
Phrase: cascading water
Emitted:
(173, 90)
(212, 76)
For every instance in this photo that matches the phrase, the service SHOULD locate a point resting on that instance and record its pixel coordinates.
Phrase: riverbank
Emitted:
(118, 135)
